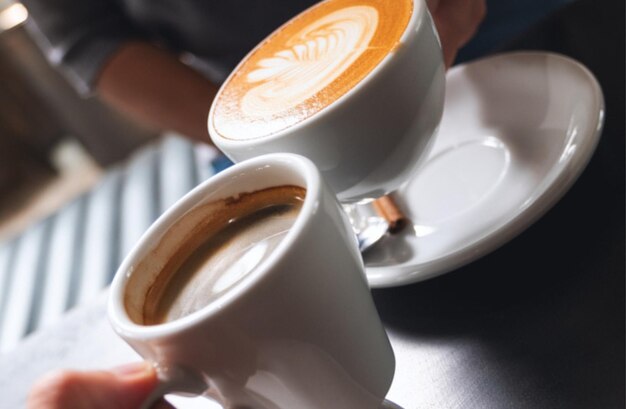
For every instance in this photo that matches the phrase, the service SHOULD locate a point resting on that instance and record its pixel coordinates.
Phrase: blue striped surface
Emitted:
(70, 257)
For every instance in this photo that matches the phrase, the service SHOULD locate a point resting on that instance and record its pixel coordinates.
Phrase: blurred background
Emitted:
(53, 143)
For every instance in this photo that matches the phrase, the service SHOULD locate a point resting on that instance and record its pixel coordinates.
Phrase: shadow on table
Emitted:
(551, 301)
(549, 304)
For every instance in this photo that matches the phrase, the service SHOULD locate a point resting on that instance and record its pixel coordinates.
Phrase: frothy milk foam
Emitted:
(307, 64)
(228, 240)
(317, 56)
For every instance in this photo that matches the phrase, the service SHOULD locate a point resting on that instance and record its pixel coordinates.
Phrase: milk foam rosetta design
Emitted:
(307, 64)
(314, 59)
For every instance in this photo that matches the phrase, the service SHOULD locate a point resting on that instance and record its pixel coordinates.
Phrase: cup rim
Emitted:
(117, 313)
(418, 17)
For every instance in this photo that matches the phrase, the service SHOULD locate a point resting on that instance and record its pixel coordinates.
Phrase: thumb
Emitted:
(124, 387)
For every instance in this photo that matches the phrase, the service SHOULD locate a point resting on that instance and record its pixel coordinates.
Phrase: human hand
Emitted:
(124, 387)
(456, 22)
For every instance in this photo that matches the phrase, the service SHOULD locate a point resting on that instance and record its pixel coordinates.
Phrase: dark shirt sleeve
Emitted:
(79, 35)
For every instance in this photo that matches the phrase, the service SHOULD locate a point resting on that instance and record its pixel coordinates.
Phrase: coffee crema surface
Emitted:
(307, 64)
(227, 241)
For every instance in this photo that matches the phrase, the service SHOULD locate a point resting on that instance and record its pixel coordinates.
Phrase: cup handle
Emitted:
(174, 379)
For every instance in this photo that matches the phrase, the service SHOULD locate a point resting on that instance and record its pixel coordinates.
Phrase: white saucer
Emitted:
(517, 131)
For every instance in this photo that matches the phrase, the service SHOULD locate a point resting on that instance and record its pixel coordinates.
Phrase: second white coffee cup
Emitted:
(300, 331)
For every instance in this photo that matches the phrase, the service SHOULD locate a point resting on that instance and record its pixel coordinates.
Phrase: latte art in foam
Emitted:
(306, 65)
(315, 58)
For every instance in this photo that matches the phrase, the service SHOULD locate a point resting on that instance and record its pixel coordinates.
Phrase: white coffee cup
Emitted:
(369, 141)
(300, 331)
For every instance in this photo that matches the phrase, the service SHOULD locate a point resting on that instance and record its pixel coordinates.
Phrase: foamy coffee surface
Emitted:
(307, 64)
(231, 240)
